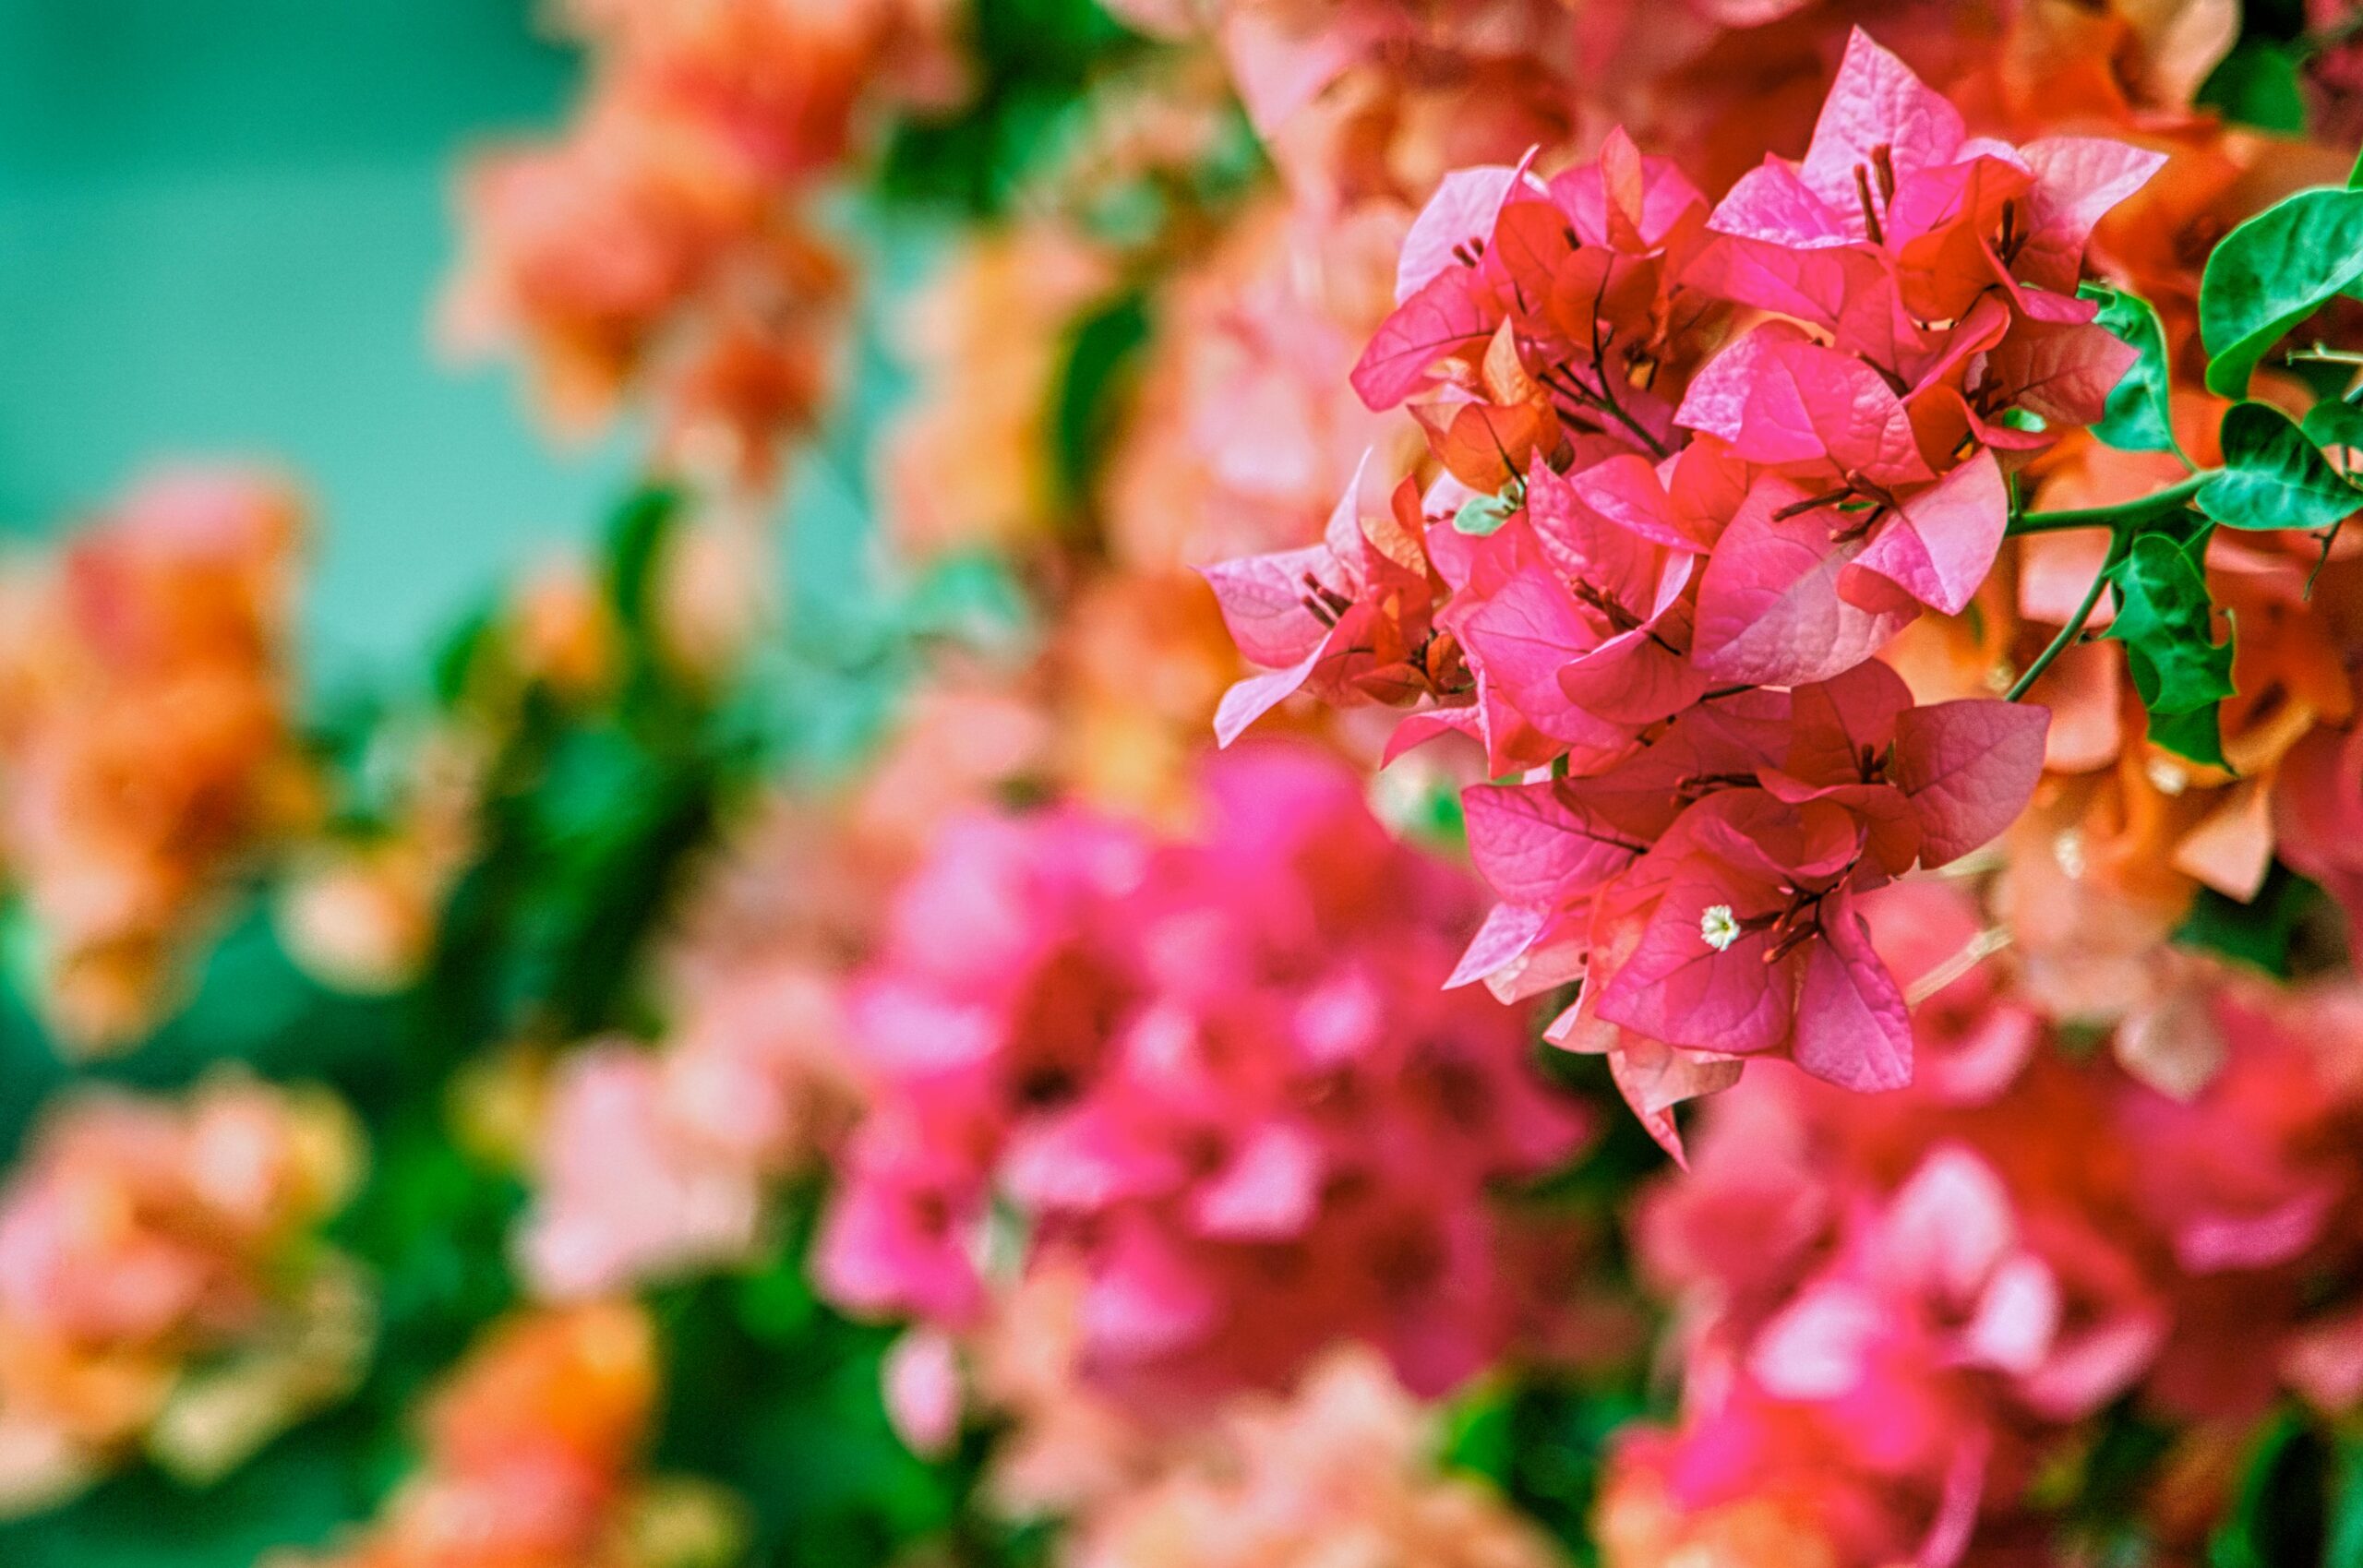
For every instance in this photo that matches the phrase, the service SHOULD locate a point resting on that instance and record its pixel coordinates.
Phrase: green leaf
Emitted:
(1482, 515)
(2256, 85)
(1478, 1433)
(2167, 622)
(2263, 932)
(2140, 418)
(296, 1493)
(1103, 362)
(2333, 422)
(2198, 734)
(2343, 1549)
(2272, 475)
(2278, 1517)
(636, 536)
(2271, 273)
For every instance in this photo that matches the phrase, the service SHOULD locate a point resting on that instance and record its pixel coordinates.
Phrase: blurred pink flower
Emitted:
(1213, 1073)
(652, 1162)
(1892, 1311)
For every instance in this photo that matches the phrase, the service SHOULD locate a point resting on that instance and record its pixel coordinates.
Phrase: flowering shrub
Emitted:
(1340, 1467)
(663, 245)
(1894, 1326)
(1663, 557)
(1797, 535)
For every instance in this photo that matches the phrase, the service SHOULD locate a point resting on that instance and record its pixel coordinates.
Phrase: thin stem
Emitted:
(2322, 354)
(1616, 412)
(1973, 952)
(2121, 517)
(2075, 627)
(1600, 373)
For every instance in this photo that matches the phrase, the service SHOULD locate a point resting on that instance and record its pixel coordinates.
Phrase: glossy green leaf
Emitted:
(2167, 624)
(2271, 273)
(2140, 418)
(2273, 476)
(2198, 734)
(2335, 422)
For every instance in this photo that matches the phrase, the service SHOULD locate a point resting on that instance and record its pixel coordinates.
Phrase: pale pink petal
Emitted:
(1462, 211)
(1269, 1189)
(2078, 180)
(1263, 604)
(1821, 1346)
(1250, 700)
(921, 1383)
(1877, 103)
(1508, 931)
(1940, 546)
(1969, 768)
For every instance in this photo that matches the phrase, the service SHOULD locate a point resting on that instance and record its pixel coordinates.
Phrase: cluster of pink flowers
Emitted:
(1216, 1074)
(653, 1162)
(162, 1285)
(1894, 1314)
(663, 245)
(1662, 559)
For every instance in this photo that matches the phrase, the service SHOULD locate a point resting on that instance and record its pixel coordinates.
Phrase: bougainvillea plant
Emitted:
(1698, 467)
(785, 1049)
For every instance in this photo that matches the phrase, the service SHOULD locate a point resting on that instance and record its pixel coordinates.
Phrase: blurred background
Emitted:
(223, 228)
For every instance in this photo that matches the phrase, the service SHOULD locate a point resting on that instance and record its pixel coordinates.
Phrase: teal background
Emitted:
(222, 224)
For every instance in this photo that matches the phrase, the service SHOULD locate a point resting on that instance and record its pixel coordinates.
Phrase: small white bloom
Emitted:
(1718, 927)
(2166, 776)
(2068, 849)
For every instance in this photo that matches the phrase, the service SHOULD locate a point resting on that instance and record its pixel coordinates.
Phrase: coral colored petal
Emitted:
(1852, 1029)
(1770, 611)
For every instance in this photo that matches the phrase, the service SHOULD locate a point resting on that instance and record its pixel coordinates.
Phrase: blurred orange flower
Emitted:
(160, 1284)
(146, 741)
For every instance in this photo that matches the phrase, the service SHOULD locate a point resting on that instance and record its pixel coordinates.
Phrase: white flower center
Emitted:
(1718, 927)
